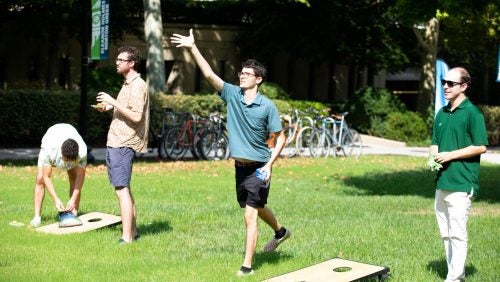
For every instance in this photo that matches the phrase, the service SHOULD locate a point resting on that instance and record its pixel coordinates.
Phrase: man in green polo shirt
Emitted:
(458, 140)
(251, 117)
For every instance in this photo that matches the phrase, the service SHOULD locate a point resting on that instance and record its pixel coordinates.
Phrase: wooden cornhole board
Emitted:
(326, 271)
(91, 221)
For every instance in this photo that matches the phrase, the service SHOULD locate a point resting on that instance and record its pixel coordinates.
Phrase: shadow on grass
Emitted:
(270, 258)
(418, 183)
(154, 227)
(18, 162)
(440, 267)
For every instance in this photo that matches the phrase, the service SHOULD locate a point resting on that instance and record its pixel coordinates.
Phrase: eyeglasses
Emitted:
(246, 74)
(122, 60)
(450, 83)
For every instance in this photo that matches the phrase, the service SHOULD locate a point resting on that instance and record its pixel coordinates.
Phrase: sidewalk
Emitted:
(492, 156)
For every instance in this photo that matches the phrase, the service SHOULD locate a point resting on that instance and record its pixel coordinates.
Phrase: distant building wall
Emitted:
(26, 60)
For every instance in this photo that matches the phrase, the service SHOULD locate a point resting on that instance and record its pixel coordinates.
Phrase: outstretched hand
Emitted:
(183, 41)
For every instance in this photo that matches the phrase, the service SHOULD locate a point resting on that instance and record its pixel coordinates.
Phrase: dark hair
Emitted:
(69, 149)
(258, 68)
(133, 54)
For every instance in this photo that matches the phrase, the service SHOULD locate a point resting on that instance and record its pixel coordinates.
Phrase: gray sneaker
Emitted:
(274, 243)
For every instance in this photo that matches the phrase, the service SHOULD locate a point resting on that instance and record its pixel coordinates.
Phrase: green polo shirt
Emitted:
(455, 130)
(249, 125)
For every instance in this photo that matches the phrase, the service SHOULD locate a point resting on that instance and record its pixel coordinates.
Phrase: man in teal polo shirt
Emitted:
(458, 140)
(251, 117)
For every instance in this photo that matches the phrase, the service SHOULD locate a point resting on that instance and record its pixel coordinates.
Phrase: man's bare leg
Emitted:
(251, 215)
(268, 217)
(38, 196)
(128, 213)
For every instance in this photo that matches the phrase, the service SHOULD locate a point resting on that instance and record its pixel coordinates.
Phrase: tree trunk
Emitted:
(153, 28)
(428, 41)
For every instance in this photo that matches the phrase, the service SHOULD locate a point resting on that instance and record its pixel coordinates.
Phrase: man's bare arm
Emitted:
(135, 117)
(206, 70)
(47, 180)
(280, 144)
(464, 153)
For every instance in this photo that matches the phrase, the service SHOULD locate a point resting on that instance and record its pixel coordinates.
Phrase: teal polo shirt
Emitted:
(249, 125)
(455, 130)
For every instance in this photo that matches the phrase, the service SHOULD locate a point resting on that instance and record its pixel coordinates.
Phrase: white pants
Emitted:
(452, 212)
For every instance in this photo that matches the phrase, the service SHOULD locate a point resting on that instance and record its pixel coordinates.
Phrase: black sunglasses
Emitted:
(450, 83)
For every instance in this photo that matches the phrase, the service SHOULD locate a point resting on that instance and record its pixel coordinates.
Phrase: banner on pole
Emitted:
(441, 70)
(498, 72)
(99, 47)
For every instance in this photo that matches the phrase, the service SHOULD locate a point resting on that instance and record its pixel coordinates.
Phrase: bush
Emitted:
(105, 79)
(492, 119)
(273, 91)
(307, 105)
(27, 114)
(406, 127)
(371, 105)
(201, 105)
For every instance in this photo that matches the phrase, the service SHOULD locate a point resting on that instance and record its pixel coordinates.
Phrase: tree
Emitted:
(472, 27)
(153, 29)
(355, 33)
(55, 22)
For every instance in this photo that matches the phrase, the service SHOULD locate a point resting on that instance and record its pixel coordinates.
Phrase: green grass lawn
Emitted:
(378, 210)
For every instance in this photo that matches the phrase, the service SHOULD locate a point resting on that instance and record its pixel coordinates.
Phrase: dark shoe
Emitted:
(274, 243)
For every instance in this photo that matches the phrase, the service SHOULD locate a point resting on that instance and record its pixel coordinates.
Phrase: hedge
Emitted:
(26, 115)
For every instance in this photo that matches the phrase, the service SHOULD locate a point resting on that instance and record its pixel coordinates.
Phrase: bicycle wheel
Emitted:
(161, 147)
(214, 145)
(173, 143)
(319, 144)
(302, 142)
(195, 149)
(351, 145)
(191, 146)
(290, 148)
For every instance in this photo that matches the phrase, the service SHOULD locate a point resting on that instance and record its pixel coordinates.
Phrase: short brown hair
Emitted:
(134, 54)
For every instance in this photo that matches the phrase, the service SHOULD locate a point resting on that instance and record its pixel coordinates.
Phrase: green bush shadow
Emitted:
(419, 183)
(439, 266)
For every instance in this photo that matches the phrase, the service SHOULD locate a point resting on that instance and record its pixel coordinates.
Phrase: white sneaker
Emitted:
(241, 273)
(36, 221)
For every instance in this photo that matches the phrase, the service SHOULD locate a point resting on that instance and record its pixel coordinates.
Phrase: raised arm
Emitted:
(208, 73)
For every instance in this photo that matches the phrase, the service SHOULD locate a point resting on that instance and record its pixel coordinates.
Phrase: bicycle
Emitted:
(213, 143)
(180, 139)
(304, 136)
(335, 132)
(168, 121)
(157, 133)
(293, 126)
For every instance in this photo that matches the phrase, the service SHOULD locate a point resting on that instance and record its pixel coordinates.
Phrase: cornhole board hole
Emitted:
(91, 221)
(336, 269)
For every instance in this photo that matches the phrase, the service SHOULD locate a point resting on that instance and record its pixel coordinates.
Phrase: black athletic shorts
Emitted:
(250, 190)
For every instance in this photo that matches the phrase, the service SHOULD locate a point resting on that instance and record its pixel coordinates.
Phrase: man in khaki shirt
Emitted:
(127, 134)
